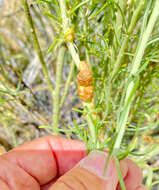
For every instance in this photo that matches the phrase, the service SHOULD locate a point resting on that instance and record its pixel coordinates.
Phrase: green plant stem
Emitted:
(64, 14)
(76, 59)
(65, 24)
(37, 45)
(121, 126)
(92, 130)
(119, 174)
(126, 40)
(56, 109)
(67, 85)
(73, 53)
(119, 19)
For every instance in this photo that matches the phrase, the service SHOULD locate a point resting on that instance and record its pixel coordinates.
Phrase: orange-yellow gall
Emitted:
(69, 35)
(85, 81)
(85, 78)
(86, 93)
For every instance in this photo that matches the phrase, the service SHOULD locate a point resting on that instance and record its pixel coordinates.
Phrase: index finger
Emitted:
(48, 157)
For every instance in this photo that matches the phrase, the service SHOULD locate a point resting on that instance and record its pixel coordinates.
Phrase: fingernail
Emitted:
(141, 187)
(123, 168)
(95, 163)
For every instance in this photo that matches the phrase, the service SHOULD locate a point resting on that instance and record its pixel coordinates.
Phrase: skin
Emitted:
(50, 163)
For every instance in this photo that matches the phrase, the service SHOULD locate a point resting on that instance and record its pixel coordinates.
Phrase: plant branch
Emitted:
(126, 40)
(37, 45)
(56, 109)
(67, 85)
(132, 85)
(76, 59)
(65, 24)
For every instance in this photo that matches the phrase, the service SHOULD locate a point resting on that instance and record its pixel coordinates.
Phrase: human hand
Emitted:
(45, 164)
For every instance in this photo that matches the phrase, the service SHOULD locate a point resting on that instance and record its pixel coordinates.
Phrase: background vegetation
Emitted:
(41, 45)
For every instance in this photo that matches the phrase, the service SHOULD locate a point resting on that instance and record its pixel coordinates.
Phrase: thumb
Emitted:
(89, 174)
